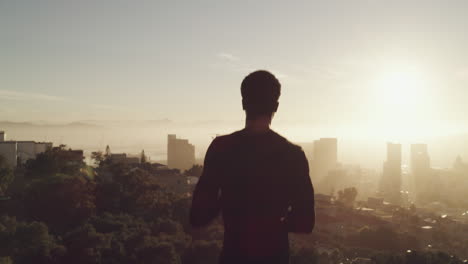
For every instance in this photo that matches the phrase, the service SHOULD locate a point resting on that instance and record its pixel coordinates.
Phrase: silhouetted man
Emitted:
(258, 180)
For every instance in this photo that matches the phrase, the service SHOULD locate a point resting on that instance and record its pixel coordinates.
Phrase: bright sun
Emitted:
(401, 89)
(400, 96)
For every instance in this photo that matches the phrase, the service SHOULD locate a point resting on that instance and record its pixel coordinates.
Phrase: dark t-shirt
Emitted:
(261, 184)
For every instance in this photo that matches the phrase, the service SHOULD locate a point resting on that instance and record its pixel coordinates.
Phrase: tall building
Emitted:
(420, 170)
(325, 158)
(459, 165)
(180, 153)
(123, 158)
(9, 150)
(420, 162)
(391, 178)
(73, 157)
(419, 158)
(335, 180)
(14, 151)
(30, 149)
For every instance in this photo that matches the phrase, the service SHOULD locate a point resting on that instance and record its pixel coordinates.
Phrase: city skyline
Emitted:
(152, 137)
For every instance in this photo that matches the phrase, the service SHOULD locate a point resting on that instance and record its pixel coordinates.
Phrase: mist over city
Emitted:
(233, 132)
(134, 135)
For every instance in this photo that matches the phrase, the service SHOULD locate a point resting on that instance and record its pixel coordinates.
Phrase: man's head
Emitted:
(260, 93)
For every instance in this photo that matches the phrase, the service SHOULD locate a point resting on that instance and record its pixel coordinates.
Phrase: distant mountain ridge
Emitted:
(44, 124)
(85, 123)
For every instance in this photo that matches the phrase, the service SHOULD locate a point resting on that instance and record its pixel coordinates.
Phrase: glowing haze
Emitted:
(368, 69)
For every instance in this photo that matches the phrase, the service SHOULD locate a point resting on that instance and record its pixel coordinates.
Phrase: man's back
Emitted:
(253, 178)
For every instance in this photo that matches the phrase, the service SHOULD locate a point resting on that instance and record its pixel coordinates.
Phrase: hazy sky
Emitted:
(184, 60)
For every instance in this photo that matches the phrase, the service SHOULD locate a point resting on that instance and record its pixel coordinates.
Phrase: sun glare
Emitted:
(400, 95)
(401, 88)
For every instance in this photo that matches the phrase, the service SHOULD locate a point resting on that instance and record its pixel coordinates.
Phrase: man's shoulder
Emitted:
(223, 142)
(287, 144)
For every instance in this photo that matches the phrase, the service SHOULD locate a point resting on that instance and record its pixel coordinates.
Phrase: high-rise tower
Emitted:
(391, 178)
(420, 170)
(324, 158)
(180, 153)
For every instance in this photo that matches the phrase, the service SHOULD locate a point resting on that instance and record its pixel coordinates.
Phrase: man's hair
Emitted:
(260, 93)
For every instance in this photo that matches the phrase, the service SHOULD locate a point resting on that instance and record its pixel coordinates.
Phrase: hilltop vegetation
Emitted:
(59, 212)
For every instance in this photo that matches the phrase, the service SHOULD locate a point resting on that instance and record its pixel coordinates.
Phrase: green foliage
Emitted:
(380, 238)
(98, 157)
(304, 256)
(347, 196)
(196, 171)
(416, 257)
(6, 260)
(123, 215)
(203, 252)
(27, 242)
(181, 210)
(85, 245)
(133, 240)
(61, 201)
(56, 160)
(143, 158)
(6, 174)
(132, 191)
(153, 252)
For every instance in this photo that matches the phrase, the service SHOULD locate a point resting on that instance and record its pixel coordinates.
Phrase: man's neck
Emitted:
(258, 125)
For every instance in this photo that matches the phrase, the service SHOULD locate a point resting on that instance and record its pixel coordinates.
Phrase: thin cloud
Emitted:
(279, 74)
(106, 107)
(323, 71)
(227, 56)
(235, 64)
(26, 96)
(111, 107)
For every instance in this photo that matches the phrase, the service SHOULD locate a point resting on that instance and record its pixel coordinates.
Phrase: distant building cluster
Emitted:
(180, 153)
(16, 152)
(420, 183)
(71, 156)
(396, 183)
(424, 184)
(123, 158)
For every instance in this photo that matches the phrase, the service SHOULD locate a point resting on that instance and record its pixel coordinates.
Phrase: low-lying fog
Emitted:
(133, 136)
